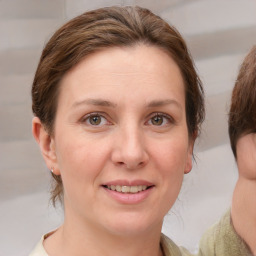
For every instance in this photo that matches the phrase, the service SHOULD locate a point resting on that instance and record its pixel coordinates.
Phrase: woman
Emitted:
(118, 106)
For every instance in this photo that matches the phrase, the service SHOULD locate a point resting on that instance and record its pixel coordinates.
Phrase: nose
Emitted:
(129, 149)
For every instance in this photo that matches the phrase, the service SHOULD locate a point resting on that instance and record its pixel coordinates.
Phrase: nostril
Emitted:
(134, 165)
(130, 166)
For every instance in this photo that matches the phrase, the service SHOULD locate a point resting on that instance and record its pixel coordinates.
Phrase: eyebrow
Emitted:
(106, 103)
(95, 102)
(160, 103)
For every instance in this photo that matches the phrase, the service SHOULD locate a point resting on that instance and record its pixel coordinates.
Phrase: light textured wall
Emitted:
(74, 8)
(25, 25)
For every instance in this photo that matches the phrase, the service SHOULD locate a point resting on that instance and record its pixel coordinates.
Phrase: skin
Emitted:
(126, 88)
(244, 197)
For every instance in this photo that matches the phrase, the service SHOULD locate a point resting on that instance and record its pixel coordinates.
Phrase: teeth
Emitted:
(134, 189)
(127, 189)
(118, 188)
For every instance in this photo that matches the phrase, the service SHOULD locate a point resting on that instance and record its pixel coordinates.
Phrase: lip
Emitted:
(129, 198)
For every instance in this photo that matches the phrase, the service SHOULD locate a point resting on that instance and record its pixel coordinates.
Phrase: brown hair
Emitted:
(103, 28)
(242, 114)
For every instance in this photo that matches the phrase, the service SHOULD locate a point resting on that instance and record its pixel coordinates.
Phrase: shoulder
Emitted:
(39, 248)
(222, 239)
(171, 249)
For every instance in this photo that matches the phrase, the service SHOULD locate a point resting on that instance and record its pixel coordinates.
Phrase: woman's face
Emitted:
(121, 139)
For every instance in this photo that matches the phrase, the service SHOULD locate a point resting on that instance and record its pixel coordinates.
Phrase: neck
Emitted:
(79, 238)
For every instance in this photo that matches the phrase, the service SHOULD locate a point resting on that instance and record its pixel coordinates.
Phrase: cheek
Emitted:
(246, 155)
(81, 162)
(172, 156)
(81, 152)
(246, 162)
(171, 163)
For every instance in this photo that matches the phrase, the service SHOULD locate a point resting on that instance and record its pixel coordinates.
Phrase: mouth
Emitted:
(127, 189)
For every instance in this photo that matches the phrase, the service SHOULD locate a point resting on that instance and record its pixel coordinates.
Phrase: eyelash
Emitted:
(95, 114)
(162, 115)
(86, 118)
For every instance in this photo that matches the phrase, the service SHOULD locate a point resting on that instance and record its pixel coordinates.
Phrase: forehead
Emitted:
(125, 70)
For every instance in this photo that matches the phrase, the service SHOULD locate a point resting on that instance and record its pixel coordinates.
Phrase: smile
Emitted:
(127, 189)
(129, 192)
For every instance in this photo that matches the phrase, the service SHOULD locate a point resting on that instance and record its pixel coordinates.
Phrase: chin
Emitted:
(132, 224)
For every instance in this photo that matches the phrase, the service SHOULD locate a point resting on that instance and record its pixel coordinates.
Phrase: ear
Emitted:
(46, 144)
(188, 166)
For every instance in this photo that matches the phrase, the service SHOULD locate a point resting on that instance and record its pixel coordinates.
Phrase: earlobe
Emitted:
(46, 144)
(188, 167)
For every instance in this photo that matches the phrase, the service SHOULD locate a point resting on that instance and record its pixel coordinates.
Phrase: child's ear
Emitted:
(46, 144)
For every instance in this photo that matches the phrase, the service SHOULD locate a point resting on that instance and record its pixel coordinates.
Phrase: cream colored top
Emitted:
(39, 249)
(219, 240)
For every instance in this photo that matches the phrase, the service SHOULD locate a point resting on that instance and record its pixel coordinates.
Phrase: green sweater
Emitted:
(219, 240)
